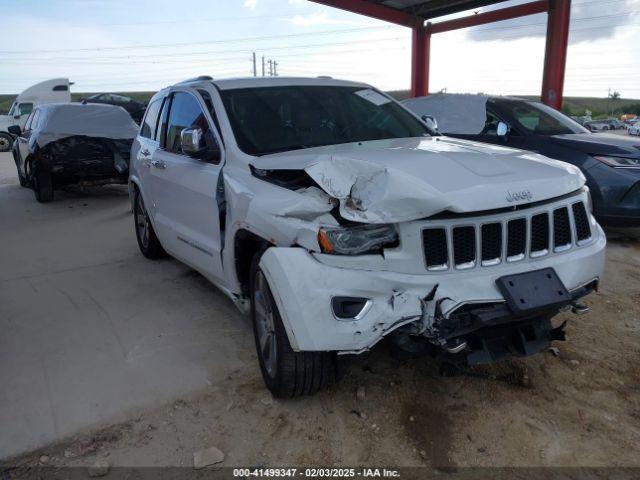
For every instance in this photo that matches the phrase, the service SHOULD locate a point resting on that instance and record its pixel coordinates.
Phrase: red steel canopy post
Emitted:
(420, 52)
(555, 57)
(556, 43)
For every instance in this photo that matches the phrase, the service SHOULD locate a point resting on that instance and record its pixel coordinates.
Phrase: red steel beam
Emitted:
(555, 56)
(420, 51)
(508, 13)
(375, 11)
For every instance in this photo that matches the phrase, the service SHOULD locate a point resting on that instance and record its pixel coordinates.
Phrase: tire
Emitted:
(286, 373)
(145, 234)
(21, 178)
(6, 142)
(43, 186)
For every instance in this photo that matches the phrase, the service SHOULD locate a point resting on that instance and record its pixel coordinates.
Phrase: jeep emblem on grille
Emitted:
(519, 196)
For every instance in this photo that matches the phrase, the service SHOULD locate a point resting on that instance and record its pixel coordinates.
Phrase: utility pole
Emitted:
(275, 68)
(254, 65)
(263, 65)
(271, 68)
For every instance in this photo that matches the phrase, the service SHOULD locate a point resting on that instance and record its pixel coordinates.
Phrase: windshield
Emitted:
(540, 119)
(276, 119)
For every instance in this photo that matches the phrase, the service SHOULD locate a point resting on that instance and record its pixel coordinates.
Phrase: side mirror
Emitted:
(502, 129)
(14, 130)
(192, 140)
(197, 144)
(430, 121)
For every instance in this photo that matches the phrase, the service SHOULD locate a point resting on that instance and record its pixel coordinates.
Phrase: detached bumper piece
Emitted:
(494, 331)
(518, 340)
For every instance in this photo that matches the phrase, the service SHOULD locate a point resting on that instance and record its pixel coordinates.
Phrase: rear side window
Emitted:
(185, 112)
(150, 121)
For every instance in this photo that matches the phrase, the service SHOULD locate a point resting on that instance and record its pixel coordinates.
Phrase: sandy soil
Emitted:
(580, 408)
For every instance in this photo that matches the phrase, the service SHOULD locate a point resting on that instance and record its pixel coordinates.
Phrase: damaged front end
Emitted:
(85, 161)
(366, 252)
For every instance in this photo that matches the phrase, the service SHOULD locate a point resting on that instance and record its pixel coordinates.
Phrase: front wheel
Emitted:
(6, 142)
(145, 234)
(286, 373)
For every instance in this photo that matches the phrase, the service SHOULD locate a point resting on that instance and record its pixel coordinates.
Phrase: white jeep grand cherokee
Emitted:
(336, 217)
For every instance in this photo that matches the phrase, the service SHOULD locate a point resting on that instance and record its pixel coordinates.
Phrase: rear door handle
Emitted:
(159, 164)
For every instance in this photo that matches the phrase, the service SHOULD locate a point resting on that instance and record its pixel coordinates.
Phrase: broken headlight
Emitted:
(357, 240)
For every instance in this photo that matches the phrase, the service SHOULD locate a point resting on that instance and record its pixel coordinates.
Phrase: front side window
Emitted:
(537, 118)
(275, 119)
(25, 108)
(150, 121)
(29, 122)
(35, 118)
(185, 112)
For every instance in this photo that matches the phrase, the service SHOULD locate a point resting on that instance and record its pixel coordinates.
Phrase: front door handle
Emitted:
(159, 164)
(145, 153)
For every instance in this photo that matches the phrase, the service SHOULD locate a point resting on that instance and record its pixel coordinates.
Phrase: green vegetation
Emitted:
(599, 107)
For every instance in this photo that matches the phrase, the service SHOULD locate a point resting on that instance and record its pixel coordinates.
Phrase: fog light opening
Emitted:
(350, 308)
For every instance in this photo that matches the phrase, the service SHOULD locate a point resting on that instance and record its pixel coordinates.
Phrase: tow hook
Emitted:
(579, 309)
(456, 346)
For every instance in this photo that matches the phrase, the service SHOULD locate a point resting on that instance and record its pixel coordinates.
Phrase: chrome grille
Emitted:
(513, 239)
(516, 239)
(581, 220)
(435, 248)
(464, 247)
(561, 229)
(540, 234)
(491, 235)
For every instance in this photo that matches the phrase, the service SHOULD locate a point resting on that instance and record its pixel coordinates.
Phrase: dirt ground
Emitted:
(579, 406)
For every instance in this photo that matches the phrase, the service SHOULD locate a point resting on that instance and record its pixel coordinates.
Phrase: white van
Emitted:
(55, 90)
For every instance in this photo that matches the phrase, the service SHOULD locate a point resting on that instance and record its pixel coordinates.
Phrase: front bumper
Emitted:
(616, 195)
(303, 288)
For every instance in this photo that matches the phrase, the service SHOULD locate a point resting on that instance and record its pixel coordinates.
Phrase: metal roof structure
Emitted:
(418, 15)
(428, 9)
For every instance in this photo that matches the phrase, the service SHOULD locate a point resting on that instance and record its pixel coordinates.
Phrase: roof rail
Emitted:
(325, 77)
(196, 79)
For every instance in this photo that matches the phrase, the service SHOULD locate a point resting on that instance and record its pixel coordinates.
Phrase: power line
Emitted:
(207, 42)
(207, 52)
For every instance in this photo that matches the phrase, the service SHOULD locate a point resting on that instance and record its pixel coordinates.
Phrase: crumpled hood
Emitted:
(387, 181)
(600, 143)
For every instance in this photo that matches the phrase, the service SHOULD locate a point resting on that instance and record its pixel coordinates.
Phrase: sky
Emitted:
(121, 45)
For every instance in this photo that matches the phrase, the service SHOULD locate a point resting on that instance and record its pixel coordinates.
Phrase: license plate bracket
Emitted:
(530, 291)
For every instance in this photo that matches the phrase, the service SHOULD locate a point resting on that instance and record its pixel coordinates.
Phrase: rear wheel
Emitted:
(145, 234)
(285, 372)
(6, 141)
(42, 186)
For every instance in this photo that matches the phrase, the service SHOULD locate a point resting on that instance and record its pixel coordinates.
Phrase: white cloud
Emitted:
(250, 4)
(296, 2)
